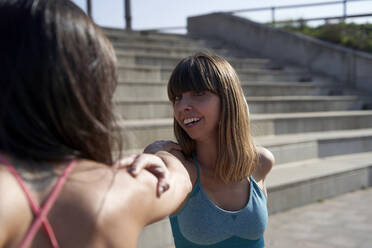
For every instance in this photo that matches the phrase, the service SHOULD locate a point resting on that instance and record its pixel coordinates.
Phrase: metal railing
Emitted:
(273, 9)
(326, 19)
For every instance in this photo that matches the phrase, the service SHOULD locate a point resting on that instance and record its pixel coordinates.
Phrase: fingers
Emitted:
(162, 174)
(129, 162)
(152, 163)
(125, 162)
(155, 166)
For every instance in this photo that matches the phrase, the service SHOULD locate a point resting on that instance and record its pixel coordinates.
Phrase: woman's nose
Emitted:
(184, 104)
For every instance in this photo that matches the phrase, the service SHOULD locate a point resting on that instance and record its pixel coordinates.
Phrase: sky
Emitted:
(149, 14)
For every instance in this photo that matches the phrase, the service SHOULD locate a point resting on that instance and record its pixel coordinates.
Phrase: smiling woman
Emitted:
(227, 206)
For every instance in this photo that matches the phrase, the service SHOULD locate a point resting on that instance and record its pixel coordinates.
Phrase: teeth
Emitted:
(189, 120)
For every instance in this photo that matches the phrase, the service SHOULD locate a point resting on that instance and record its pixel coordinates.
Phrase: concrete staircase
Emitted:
(316, 128)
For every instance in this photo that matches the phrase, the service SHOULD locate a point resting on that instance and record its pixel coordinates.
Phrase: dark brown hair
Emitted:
(58, 75)
(237, 155)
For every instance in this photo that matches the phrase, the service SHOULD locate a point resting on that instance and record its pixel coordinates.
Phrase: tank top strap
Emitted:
(195, 189)
(40, 213)
(258, 190)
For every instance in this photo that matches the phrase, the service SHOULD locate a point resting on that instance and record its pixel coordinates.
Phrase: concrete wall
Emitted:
(344, 65)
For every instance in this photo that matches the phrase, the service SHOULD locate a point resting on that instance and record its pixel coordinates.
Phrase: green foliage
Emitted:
(356, 36)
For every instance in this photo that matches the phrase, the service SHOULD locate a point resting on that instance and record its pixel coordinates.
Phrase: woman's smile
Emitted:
(189, 122)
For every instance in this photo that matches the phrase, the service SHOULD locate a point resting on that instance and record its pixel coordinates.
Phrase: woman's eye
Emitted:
(177, 98)
(200, 93)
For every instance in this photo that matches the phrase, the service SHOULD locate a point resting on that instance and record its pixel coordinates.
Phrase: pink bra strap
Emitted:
(42, 213)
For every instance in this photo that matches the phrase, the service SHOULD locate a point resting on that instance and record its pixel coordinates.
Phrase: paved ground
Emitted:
(344, 221)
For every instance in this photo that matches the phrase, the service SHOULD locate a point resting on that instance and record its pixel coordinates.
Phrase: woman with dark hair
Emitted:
(58, 134)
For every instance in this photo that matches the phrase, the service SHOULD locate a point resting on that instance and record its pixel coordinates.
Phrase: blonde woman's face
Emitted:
(198, 113)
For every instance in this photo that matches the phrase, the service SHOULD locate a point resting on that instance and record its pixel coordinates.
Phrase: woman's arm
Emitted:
(177, 171)
(147, 207)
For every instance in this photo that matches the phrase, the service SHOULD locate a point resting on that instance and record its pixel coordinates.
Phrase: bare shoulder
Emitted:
(112, 199)
(266, 161)
(98, 193)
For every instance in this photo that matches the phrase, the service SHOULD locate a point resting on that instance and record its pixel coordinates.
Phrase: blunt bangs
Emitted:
(194, 73)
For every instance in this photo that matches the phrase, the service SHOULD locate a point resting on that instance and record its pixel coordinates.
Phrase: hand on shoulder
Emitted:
(174, 149)
(154, 164)
(161, 171)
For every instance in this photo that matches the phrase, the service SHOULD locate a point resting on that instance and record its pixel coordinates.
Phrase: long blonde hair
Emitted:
(237, 154)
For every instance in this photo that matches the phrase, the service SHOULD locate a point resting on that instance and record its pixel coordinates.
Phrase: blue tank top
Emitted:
(202, 224)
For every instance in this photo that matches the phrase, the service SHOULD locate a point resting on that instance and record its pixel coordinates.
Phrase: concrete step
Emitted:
(145, 108)
(252, 63)
(139, 133)
(298, 123)
(151, 41)
(292, 185)
(159, 89)
(120, 35)
(292, 104)
(177, 49)
(131, 58)
(287, 89)
(300, 183)
(159, 59)
(298, 147)
(157, 73)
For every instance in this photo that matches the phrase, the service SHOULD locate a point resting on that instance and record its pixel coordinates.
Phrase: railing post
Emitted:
(345, 10)
(89, 8)
(273, 15)
(302, 23)
(128, 16)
